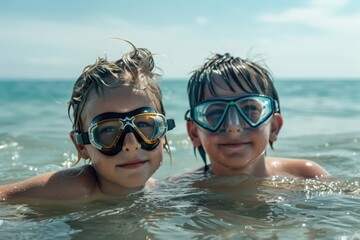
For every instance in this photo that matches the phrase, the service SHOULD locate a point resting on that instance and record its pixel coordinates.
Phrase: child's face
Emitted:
(132, 166)
(233, 149)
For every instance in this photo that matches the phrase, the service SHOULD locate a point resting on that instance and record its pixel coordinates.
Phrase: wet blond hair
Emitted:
(135, 69)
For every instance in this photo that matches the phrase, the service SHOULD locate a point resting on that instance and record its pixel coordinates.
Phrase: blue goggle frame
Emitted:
(197, 112)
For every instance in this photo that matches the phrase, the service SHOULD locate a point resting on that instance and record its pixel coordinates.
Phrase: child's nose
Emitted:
(130, 143)
(233, 122)
(234, 129)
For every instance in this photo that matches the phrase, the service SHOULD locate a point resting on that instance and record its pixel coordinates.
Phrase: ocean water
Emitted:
(321, 123)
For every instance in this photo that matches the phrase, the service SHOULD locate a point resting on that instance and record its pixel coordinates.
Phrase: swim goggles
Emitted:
(254, 110)
(107, 131)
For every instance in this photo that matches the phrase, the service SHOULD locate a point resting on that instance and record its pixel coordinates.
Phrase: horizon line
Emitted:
(185, 79)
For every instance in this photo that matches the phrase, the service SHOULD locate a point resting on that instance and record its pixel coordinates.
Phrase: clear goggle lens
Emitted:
(150, 126)
(107, 131)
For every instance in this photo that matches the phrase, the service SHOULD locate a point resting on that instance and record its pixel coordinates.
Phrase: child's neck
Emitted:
(257, 168)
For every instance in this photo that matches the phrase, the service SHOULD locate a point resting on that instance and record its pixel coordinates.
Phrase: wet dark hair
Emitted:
(233, 71)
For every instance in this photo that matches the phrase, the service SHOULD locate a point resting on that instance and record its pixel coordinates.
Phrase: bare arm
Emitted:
(69, 184)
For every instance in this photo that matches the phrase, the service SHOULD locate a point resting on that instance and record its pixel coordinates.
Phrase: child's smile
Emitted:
(133, 164)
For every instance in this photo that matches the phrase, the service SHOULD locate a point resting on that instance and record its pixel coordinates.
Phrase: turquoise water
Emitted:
(321, 122)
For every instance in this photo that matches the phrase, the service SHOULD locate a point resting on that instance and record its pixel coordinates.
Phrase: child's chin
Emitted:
(137, 183)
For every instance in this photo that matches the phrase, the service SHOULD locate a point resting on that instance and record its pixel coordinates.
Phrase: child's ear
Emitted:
(276, 124)
(81, 150)
(192, 130)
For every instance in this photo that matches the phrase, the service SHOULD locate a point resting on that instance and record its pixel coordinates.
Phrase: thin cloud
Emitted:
(320, 14)
(52, 48)
(201, 21)
(71, 45)
(54, 61)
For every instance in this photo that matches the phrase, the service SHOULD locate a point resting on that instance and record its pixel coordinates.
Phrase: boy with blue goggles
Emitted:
(234, 115)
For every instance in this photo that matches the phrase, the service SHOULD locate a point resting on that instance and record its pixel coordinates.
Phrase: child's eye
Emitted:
(106, 134)
(249, 108)
(214, 113)
(143, 124)
(253, 112)
(213, 116)
(107, 130)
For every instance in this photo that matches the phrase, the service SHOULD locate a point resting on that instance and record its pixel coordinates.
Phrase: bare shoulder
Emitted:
(296, 167)
(68, 184)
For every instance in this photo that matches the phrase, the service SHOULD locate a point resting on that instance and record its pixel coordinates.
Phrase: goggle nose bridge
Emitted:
(230, 105)
(128, 127)
(127, 121)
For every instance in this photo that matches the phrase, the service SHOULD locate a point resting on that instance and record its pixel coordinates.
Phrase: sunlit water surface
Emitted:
(321, 123)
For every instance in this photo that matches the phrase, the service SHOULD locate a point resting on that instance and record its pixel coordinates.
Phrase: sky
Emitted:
(299, 39)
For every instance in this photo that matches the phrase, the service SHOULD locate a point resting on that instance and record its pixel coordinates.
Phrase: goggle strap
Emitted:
(276, 106)
(82, 138)
(170, 124)
(186, 116)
